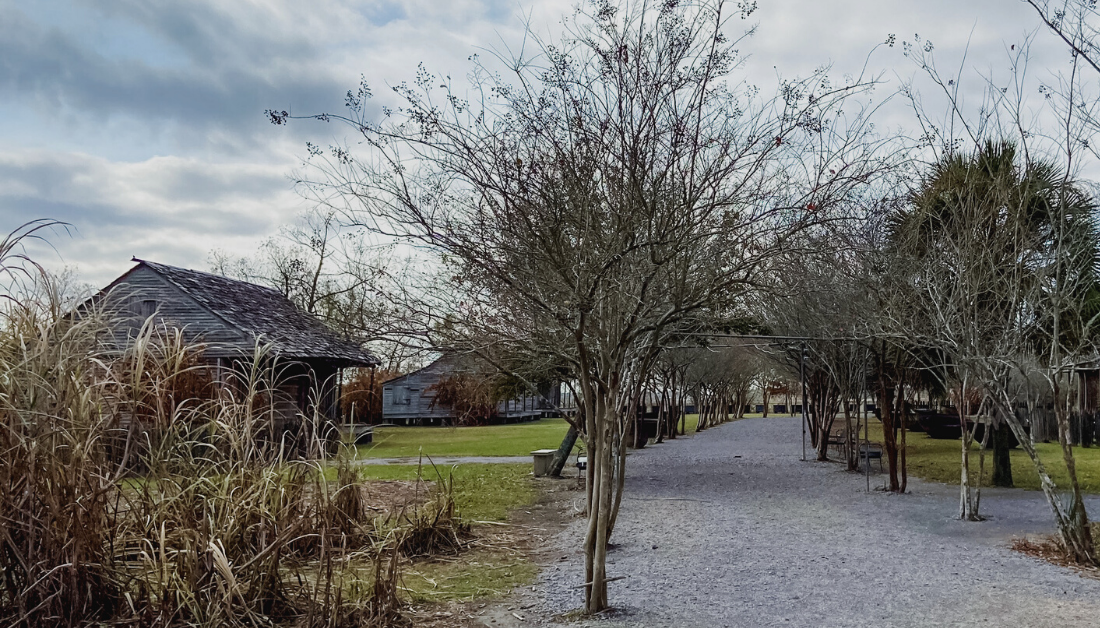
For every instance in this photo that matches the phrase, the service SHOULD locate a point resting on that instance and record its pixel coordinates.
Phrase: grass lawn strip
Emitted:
(490, 440)
(478, 574)
(939, 460)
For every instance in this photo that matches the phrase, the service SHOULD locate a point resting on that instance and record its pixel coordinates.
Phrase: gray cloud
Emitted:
(232, 74)
(159, 187)
(185, 207)
(183, 85)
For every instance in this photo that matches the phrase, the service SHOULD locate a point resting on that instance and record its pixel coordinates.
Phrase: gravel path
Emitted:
(748, 535)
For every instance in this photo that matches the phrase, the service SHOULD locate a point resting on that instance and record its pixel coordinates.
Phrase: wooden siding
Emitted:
(412, 397)
(222, 343)
(173, 308)
(409, 399)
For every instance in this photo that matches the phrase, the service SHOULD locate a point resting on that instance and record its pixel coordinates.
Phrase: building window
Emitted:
(401, 396)
(147, 307)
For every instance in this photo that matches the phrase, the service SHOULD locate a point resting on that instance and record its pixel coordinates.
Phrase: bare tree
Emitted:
(1076, 23)
(329, 270)
(669, 384)
(719, 378)
(618, 189)
(821, 294)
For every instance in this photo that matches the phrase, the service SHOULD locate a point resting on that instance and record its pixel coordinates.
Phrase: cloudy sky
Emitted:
(140, 122)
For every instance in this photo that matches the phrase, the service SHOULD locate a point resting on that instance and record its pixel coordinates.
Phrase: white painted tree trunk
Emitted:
(968, 502)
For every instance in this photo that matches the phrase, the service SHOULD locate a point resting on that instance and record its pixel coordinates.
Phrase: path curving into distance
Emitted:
(764, 539)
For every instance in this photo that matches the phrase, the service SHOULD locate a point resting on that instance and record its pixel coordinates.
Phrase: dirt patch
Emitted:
(530, 529)
(445, 615)
(526, 537)
(385, 496)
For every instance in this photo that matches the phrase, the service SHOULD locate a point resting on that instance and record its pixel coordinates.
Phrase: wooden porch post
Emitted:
(340, 393)
(370, 398)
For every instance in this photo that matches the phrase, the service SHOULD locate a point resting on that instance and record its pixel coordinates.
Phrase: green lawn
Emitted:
(492, 440)
(483, 492)
(691, 424)
(938, 460)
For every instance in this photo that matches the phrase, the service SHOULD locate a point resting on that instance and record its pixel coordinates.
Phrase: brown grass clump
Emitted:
(1046, 548)
(383, 604)
(433, 528)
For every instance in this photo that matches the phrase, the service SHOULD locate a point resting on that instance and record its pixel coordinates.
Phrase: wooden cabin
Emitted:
(411, 399)
(1088, 388)
(228, 319)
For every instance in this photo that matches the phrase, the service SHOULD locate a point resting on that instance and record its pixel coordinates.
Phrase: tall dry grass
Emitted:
(57, 486)
(134, 490)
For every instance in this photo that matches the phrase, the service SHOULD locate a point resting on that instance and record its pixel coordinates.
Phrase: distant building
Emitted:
(411, 399)
(227, 318)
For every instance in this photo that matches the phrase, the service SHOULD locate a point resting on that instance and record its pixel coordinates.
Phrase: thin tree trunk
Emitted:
(967, 507)
(662, 415)
(903, 451)
(886, 410)
(683, 411)
(596, 408)
(1002, 460)
(823, 396)
(1077, 534)
(982, 446)
(562, 456)
(670, 411)
(900, 419)
(850, 459)
(599, 506)
(620, 483)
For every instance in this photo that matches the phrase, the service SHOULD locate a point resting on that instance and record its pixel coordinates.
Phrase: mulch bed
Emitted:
(1049, 548)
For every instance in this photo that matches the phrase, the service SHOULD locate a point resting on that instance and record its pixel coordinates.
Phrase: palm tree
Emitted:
(996, 257)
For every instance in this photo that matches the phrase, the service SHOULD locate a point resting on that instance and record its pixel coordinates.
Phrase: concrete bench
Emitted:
(544, 458)
(357, 433)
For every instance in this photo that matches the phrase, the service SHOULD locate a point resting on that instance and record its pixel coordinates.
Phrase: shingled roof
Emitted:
(260, 312)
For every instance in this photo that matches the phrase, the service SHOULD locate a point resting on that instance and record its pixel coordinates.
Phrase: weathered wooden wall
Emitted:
(173, 307)
(408, 400)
